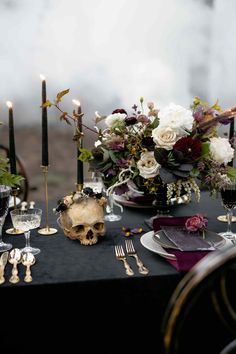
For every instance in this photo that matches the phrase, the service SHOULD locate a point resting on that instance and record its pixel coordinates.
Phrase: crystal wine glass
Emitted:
(111, 216)
(27, 220)
(228, 195)
(4, 205)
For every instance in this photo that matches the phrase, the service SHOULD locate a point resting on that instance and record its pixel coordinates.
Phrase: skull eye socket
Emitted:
(98, 226)
(79, 228)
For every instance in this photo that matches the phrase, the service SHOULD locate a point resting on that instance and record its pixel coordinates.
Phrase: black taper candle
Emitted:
(80, 165)
(12, 152)
(44, 126)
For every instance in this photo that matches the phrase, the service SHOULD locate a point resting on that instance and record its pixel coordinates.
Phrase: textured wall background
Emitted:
(109, 53)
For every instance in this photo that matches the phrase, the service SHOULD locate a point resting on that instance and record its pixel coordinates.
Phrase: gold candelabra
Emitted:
(46, 230)
(13, 230)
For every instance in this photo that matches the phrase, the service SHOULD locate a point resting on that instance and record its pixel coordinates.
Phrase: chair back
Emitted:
(202, 309)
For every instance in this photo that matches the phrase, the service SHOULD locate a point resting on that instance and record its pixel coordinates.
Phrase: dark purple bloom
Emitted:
(119, 110)
(131, 120)
(121, 162)
(148, 142)
(121, 189)
(111, 173)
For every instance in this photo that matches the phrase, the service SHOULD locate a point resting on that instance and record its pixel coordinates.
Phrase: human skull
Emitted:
(84, 221)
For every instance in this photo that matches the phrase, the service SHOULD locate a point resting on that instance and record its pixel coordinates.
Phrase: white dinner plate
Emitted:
(148, 242)
(211, 237)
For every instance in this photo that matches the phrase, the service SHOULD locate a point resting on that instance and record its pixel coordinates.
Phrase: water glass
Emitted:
(27, 220)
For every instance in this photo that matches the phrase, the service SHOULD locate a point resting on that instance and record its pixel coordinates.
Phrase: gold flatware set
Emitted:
(120, 255)
(15, 257)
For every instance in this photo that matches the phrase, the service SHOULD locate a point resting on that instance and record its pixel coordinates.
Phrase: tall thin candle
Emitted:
(12, 152)
(44, 124)
(80, 166)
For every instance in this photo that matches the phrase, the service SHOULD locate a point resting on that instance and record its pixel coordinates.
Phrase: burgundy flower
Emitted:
(196, 223)
(190, 148)
(119, 110)
(131, 120)
(148, 142)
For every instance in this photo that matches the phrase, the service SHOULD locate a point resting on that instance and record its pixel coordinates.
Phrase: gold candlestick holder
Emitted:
(79, 187)
(13, 230)
(46, 230)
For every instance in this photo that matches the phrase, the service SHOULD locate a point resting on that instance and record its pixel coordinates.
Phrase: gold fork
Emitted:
(120, 255)
(131, 252)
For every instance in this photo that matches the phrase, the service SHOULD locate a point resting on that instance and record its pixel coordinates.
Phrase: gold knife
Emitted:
(3, 262)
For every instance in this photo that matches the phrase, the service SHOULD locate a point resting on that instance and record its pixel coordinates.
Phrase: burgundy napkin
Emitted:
(187, 259)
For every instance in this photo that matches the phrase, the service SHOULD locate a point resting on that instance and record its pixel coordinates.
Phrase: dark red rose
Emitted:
(119, 110)
(190, 148)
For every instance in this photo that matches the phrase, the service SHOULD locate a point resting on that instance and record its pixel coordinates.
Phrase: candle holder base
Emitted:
(46, 231)
(14, 231)
(223, 218)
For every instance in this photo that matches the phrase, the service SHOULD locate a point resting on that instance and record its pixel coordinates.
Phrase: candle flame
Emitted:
(42, 77)
(9, 104)
(76, 102)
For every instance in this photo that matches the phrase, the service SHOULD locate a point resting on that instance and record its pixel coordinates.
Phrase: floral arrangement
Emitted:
(172, 150)
(166, 149)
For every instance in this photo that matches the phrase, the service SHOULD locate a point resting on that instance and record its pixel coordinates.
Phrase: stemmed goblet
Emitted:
(27, 220)
(4, 205)
(111, 216)
(228, 195)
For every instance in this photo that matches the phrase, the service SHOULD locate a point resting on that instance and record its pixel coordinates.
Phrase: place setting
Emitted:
(183, 240)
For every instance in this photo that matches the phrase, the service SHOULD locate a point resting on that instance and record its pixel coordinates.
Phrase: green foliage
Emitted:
(85, 155)
(6, 177)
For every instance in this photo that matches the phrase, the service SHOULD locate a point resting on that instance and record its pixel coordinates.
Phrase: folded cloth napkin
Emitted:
(184, 260)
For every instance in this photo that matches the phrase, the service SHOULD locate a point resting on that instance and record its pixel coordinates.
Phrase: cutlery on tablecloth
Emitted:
(132, 252)
(120, 255)
(14, 259)
(3, 262)
(28, 260)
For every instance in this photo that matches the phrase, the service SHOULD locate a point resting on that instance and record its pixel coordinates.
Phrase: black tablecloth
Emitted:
(71, 279)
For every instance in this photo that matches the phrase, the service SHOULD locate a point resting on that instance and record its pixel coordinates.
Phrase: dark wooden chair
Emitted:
(24, 187)
(201, 314)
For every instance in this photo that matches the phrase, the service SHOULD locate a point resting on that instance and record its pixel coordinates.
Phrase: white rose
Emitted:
(221, 150)
(164, 137)
(115, 118)
(147, 165)
(176, 117)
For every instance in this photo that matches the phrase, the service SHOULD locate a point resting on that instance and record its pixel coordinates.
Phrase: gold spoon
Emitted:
(28, 260)
(14, 258)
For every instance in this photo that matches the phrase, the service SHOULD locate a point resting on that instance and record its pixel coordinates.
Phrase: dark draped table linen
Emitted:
(89, 285)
